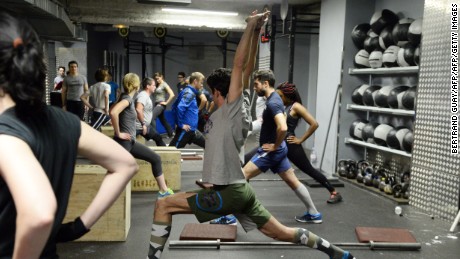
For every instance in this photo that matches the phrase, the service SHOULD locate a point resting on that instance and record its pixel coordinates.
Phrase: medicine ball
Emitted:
(369, 94)
(381, 97)
(408, 99)
(359, 34)
(415, 31)
(371, 42)
(395, 138)
(375, 59)
(386, 37)
(368, 132)
(362, 59)
(380, 134)
(357, 95)
(383, 18)
(395, 97)
(408, 141)
(417, 56)
(390, 56)
(356, 128)
(401, 31)
(406, 55)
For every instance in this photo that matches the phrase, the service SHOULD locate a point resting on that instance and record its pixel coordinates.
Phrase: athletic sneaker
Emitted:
(224, 220)
(310, 218)
(166, 193)
(347, 255)
(335, 198)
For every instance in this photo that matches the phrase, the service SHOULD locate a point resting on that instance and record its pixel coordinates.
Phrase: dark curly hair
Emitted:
(22, 67)
(219, 80)
(290, 91)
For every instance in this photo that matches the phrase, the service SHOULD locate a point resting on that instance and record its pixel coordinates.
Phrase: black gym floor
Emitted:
(359, 208)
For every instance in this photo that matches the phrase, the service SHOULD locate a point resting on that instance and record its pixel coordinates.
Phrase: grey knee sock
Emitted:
(304, 196)
(159, 236)
(304, 237)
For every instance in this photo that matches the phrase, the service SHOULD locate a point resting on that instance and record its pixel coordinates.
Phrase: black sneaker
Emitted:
(335, 198)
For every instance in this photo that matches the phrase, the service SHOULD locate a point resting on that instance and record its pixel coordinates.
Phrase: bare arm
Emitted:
(301, 111)
(240, 59)
(251, 60)
(64, 96)
(140, 116)
(32, 194)
(84, 99)
(170, 93)
(120, 166)
(204, 101)
(106, 101)
(281, 129)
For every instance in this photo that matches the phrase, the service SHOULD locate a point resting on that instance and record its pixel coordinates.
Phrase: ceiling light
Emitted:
(120, 26)
(196, 11)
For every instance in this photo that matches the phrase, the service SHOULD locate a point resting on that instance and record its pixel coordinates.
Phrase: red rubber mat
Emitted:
(194, 231)
(393, 235)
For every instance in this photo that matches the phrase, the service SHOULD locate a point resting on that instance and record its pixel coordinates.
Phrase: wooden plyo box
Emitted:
(171, 165)
(115, 223)
(108, 131)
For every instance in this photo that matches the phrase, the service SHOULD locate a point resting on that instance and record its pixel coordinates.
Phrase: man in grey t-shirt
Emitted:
(144, 110)
(73, 87)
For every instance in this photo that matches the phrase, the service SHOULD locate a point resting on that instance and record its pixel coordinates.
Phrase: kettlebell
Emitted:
(388, 189)
(352, 169)
(342, 168)
(382, 184)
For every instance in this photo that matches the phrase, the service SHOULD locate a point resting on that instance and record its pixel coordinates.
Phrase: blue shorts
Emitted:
(276, 161)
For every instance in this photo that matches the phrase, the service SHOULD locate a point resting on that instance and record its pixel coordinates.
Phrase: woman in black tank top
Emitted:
(294, 112)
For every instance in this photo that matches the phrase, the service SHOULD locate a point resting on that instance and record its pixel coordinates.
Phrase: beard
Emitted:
(261, 93)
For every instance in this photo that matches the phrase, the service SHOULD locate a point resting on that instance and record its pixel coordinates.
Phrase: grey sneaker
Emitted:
(335, 198)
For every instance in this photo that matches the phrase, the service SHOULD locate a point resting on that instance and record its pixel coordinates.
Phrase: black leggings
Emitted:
(297, 156)
(159, 112)
(142, 152)
(182, 138)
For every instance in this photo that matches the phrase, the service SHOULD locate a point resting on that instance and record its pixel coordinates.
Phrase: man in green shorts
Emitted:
(228, 127)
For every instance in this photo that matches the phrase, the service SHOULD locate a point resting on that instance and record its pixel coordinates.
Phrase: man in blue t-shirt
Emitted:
(272, 151)
(114, 94)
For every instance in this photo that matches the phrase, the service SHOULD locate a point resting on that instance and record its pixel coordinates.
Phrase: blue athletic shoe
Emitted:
(225, 220)
(310, 218)
(347, 255)
(166, 193)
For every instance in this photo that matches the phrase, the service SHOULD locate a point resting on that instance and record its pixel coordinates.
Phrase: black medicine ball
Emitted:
(415, 31)
(383, 18)
(371, 42)
(375, 59)
(381, 97)
(359, 34)
(362, 59)
(368, 132)
(380, 134)
(369, 94)
(408, 99)
(401, 31)
(356, 128)
(408, 141)
(386, 37)
(406, 55)
(357, 96)
(390, 56)
(395, 97)
(395, 138)
(417, 56)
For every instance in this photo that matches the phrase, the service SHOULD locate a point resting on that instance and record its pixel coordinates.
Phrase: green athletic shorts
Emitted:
(221, 200)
